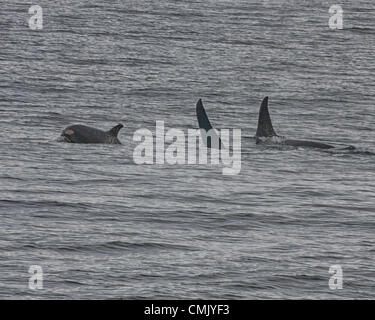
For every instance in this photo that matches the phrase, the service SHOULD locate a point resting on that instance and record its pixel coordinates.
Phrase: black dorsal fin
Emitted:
(204, 123)
(265, 128)
(115, 130)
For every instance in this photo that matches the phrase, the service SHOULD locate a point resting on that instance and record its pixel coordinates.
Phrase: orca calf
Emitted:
(79, 133)
(266, 134)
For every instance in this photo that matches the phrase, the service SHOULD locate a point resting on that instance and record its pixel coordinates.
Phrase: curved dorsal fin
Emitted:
(265, 128)
(204, 123)
(115, 130)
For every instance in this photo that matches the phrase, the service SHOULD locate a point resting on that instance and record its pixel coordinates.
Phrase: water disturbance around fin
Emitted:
(265, 128)
(204, 123)
(115, 130)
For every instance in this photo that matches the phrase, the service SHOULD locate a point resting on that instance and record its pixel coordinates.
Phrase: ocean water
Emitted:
(101, 226)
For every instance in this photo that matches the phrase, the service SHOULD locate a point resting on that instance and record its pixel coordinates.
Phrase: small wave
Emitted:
(43, 203)
(121, 245)
(361, 30)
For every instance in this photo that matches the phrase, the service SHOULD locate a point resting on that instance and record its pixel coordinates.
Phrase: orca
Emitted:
(266, 133)
(79, 133)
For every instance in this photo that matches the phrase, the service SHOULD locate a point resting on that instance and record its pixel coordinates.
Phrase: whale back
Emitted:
(306, 143)
(265, 128)
(83, 134)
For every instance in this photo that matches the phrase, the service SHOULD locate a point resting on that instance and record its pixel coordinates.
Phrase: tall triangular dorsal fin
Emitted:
(204, 123)
(115, 130)
(265, 128)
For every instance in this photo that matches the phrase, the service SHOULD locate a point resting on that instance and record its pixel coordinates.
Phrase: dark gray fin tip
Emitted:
(265, 128)
(115, 130)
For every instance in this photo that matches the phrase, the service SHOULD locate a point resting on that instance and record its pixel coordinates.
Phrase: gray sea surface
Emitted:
(101, 226)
